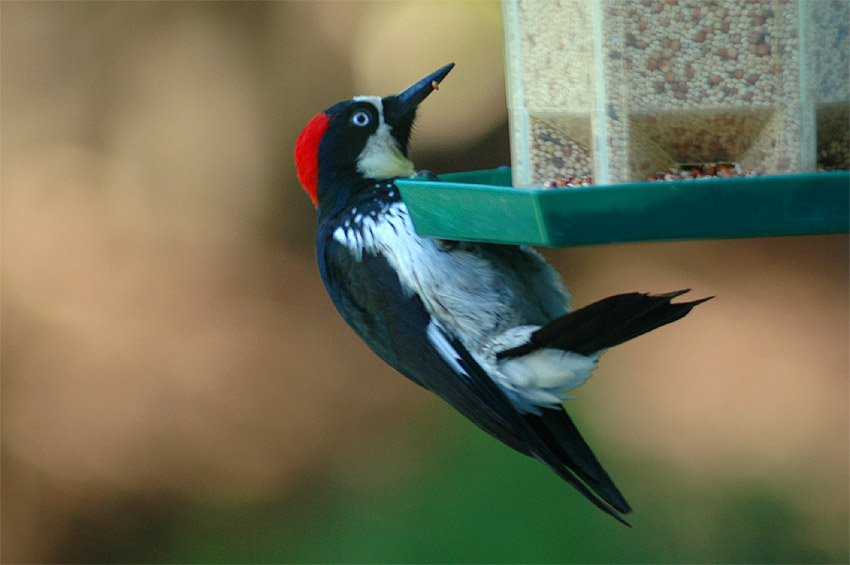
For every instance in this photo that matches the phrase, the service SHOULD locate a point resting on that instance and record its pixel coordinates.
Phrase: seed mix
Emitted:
(641, 86)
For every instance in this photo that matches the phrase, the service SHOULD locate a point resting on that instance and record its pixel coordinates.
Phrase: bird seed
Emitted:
(622, 89)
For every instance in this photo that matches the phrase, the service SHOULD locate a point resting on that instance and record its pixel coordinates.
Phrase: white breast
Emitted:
(459, 289)
(469, 299)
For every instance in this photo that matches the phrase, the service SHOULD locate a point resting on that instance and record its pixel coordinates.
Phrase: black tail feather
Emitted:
(564, 438)
(606, 323)
(551, 437)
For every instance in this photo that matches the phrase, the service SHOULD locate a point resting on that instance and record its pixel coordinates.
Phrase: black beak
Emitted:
(410, 98)
(400, 110)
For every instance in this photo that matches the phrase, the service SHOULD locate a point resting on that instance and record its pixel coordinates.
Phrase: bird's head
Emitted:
(362, 138)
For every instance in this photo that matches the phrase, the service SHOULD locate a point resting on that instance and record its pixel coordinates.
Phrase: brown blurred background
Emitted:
(167, 343)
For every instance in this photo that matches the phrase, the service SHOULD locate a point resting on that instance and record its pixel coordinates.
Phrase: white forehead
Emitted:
(374, 101)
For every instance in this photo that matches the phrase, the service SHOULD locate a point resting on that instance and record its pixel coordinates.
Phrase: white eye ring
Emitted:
(360, 118)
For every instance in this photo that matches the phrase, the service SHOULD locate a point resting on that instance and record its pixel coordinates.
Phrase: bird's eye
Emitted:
(360, 118)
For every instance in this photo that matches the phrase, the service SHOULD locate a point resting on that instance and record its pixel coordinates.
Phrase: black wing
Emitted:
(395, 325)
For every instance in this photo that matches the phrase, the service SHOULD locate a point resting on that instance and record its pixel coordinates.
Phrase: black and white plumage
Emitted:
(486, 327)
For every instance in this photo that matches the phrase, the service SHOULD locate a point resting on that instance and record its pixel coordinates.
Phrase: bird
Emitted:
(487, 327)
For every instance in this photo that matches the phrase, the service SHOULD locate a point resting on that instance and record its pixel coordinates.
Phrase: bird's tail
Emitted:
(606, 323)
(611, 321)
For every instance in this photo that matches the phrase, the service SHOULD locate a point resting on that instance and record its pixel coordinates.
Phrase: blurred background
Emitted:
(177, 387)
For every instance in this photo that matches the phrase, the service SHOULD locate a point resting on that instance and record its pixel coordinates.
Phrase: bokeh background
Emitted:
(177, 387)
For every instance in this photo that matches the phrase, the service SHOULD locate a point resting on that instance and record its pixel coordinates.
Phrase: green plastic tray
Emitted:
(483, 206)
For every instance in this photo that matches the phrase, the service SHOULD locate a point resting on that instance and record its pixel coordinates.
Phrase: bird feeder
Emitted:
(738, 109)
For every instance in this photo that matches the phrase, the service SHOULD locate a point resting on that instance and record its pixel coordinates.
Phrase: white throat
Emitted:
(382, 157)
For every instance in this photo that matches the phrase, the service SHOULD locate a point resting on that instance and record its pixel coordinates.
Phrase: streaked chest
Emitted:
(465, 292)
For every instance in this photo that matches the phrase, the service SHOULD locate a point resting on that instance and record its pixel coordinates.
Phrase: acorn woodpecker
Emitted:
(486, 327)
